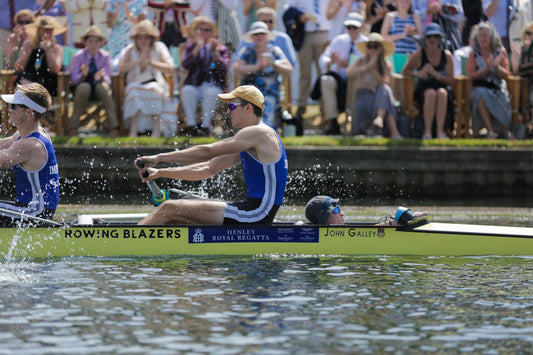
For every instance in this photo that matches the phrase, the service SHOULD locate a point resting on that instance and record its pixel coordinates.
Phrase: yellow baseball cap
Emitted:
(246, 92)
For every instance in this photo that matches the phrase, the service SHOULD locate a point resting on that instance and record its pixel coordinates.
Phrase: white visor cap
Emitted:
(19, 98)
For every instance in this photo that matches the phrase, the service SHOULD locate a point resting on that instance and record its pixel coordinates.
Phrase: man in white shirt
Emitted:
(316, 35)
(335, 59)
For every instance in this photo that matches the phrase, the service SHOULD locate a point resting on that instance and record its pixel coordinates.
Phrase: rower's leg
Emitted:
(180, 212)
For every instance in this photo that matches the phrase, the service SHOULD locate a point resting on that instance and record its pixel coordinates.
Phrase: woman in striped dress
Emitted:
(401, 26)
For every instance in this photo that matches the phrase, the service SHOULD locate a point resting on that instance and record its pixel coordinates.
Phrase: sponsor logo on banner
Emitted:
(253, 235)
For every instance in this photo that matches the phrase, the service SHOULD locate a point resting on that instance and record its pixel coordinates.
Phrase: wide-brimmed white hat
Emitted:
(388, 46)
(354, 19)
(256, 28)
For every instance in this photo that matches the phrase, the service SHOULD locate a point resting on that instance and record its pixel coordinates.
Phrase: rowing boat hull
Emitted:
(437, 239)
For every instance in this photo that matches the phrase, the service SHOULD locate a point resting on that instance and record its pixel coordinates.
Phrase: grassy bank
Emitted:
(331, 141)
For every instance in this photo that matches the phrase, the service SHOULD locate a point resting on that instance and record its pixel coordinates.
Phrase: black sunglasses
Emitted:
(268, 21)
(14, 106)
(27, 22)
(529, 33)
(204, 29)
(433, 36)
(373, 46)
(352, 27)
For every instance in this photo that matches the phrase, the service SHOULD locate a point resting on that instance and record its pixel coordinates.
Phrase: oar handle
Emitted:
(158, 195)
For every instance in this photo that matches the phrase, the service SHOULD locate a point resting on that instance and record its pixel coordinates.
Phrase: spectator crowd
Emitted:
(344, 56)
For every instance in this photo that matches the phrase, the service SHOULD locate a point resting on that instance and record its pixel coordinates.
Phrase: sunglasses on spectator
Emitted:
(373, 46)
(14, 106)
(204, 29)
(26, 22)
(433, 36)
(336, 210)
(529, 33)
(352, 27)
(232, 106)
(268, 21)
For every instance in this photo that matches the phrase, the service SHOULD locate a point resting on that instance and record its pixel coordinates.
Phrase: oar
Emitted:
(34, 218)
(186, 193)
(158, 195)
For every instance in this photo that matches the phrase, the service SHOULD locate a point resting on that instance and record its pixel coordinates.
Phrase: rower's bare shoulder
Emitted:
(257, 131)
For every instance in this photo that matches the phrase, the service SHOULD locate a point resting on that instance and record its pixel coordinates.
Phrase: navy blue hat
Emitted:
(433, 29)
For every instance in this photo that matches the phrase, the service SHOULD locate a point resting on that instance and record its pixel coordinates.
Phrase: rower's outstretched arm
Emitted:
(197, 171)
(245, 139)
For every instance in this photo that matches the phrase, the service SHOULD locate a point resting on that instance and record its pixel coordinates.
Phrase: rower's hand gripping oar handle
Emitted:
(158, 195)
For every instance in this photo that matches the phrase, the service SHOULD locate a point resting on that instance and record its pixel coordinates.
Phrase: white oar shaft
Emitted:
(186, 193)
(34, 218)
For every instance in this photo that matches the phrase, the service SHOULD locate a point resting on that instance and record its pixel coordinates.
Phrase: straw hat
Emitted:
(197, 21)
(46, 22)
(256, 28)
(388, 46)
(93, 31)
(145, 27)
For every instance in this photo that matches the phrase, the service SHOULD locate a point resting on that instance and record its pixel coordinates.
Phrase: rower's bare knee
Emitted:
(170, 210)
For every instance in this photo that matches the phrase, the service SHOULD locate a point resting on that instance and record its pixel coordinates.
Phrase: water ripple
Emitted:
(304, 305)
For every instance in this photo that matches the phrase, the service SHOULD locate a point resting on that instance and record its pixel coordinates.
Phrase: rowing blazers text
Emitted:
(144, 233)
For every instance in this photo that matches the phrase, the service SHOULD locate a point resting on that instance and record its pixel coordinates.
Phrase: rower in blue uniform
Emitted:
(30, 153)
(256, 146)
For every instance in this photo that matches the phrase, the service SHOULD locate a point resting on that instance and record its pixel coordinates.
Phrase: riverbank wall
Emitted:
(414, 173)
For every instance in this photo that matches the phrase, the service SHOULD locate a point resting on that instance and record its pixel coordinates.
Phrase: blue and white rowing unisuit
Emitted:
(37, 191)
(265, 187)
